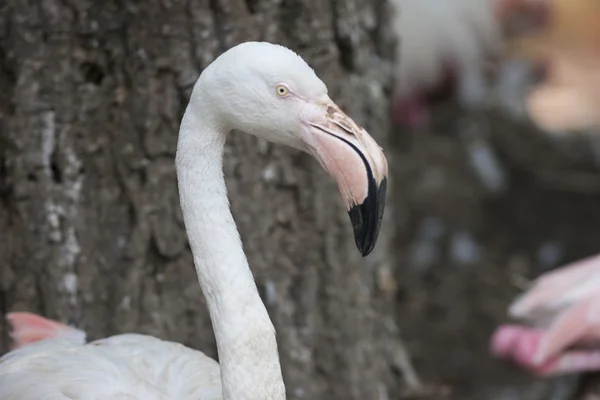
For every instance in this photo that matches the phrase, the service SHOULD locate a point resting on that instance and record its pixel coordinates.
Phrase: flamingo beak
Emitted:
(351, 156)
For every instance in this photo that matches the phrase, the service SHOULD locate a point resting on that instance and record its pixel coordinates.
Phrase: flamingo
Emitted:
(442, 47)
(562, 309)
(265, 90)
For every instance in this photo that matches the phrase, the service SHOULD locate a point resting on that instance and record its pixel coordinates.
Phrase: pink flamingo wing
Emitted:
(29, 328)
(576, 325)
(559, 287)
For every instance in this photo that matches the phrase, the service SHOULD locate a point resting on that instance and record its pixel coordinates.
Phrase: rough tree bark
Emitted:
(91, 94)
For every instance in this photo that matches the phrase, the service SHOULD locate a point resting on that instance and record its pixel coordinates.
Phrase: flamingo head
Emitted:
(269, 91)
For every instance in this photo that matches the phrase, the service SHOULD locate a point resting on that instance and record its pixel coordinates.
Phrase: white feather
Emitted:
(132, 367)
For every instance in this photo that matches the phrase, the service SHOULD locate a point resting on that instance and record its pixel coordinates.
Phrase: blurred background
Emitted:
(486, 109)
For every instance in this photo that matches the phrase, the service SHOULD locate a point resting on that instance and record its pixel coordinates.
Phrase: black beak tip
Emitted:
(365, 251)
(366, 217)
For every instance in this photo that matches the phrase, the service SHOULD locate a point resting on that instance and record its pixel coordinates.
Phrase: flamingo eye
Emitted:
(281, 90)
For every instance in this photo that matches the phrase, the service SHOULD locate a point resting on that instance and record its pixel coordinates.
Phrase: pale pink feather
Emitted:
(571, 297)
(29, 328)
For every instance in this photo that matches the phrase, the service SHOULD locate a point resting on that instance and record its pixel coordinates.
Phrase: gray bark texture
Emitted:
(91, 95)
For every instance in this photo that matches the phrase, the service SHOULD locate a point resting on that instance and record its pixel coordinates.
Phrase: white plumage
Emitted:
(122, 367)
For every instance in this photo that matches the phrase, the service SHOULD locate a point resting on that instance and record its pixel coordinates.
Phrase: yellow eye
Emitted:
(282, 90)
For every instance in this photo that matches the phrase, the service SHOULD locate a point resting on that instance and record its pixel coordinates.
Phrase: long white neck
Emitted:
(245, 336)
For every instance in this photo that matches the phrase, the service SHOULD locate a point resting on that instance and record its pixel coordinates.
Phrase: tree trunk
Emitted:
(91, 95)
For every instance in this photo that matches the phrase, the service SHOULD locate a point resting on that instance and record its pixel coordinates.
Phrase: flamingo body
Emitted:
(60, 365)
